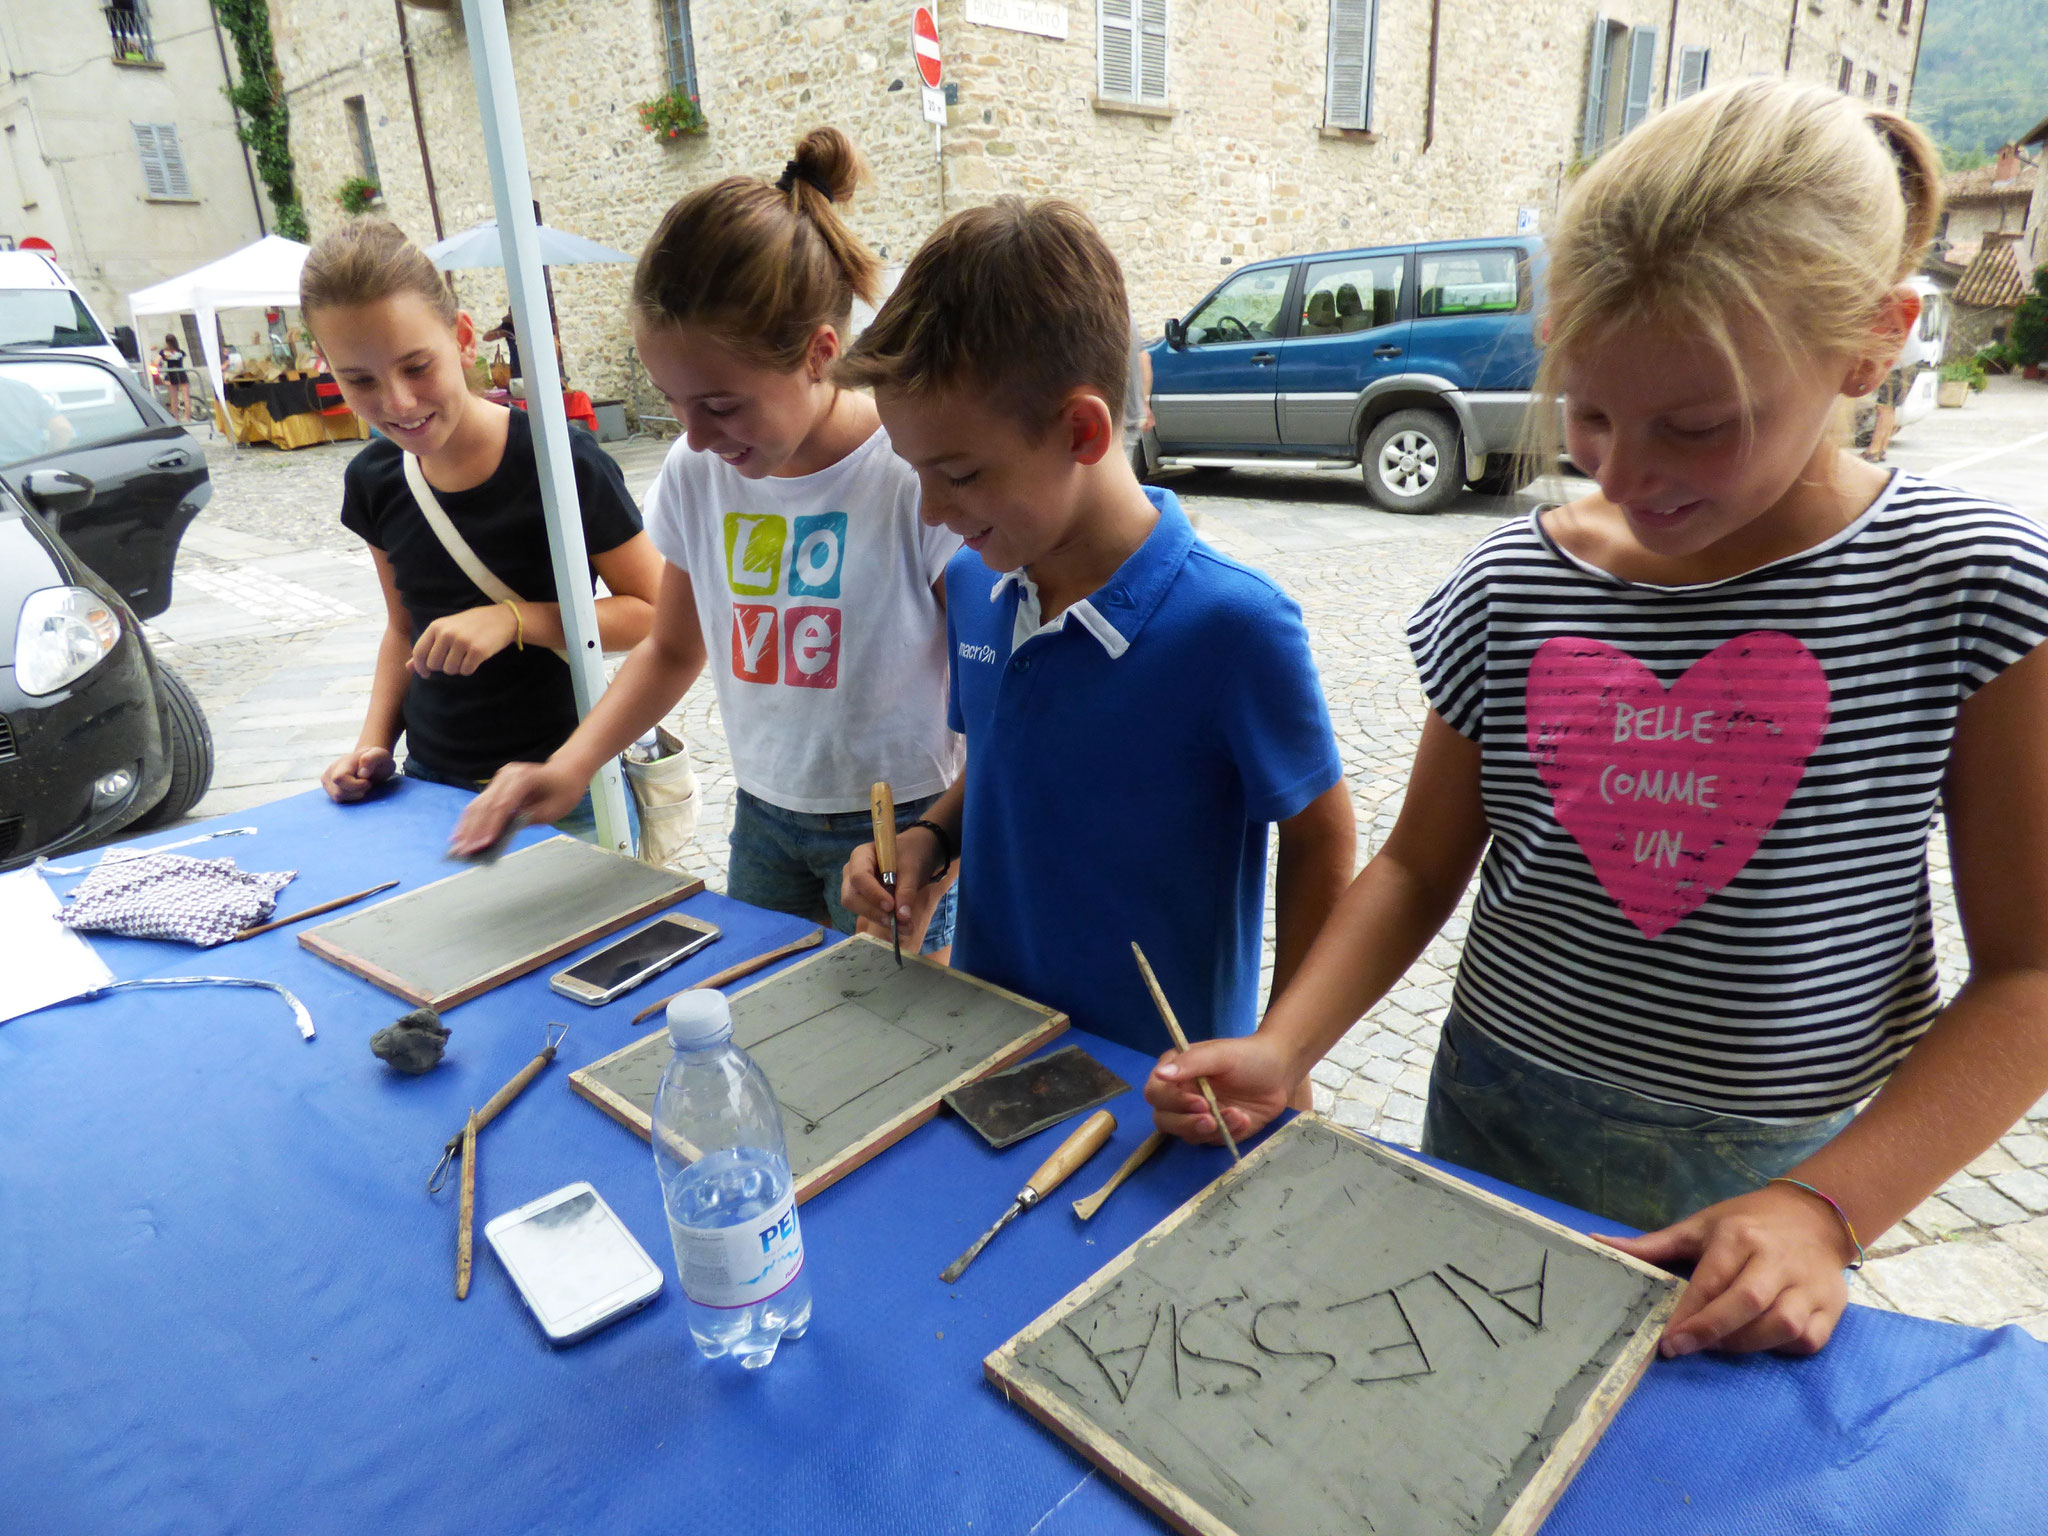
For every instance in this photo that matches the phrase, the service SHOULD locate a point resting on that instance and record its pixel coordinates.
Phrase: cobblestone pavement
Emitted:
(277, 614)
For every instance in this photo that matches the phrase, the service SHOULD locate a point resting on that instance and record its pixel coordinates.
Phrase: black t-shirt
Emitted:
(518, 706)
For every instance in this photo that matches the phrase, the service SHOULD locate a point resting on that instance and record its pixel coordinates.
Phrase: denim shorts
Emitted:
(791, 861)
(1603, 1149)
(580, 823)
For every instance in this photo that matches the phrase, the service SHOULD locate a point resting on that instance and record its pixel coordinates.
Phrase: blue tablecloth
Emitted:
(226, 1301)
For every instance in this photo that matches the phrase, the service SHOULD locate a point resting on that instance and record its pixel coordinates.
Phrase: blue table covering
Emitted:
(226, 1301)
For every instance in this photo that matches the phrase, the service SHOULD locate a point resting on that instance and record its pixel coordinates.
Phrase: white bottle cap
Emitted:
(698, 1019)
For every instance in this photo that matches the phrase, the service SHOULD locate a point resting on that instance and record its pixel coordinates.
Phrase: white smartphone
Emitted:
(624, 963)
(576, 1265)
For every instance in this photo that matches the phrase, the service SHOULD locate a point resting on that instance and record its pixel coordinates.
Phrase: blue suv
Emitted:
(1414, 363)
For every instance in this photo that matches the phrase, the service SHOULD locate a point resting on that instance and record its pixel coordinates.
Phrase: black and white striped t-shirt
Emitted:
(1710, 805)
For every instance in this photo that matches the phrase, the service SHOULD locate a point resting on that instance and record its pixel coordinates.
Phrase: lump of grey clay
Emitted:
(414, 1044)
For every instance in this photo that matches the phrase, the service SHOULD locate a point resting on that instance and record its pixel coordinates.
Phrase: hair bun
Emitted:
(827, 160)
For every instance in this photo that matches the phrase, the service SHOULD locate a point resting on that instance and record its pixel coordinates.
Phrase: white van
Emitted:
(40, 308)
(1921, 358)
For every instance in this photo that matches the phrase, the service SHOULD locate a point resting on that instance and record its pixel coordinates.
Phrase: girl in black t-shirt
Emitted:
(472, 683)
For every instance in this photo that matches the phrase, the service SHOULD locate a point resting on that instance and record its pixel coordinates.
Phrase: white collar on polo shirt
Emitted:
(1082, 612)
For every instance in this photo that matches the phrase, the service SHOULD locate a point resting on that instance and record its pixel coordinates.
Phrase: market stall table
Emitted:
(575, 404)
(226, 1299)
(288, 413)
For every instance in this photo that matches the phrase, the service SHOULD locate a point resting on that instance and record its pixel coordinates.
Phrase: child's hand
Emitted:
(354, 774)
(862, 893)
(1251, 1076)
(1767, 1273)
(462, 642)
(535, 792)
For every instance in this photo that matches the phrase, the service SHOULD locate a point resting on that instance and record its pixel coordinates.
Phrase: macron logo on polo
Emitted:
(982, 653)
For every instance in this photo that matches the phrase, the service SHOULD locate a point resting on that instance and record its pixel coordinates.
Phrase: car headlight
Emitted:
(64, 633)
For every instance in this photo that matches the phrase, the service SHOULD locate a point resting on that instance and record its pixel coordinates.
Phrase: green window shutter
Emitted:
(1151, 50)
(1596, 91)
(1116, 49)
(1642, 53)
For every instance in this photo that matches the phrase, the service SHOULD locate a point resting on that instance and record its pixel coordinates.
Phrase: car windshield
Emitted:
(46, 406)
(46, 317)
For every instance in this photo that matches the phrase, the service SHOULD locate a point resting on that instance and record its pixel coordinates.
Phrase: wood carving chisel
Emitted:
(320, 911)
(883, 804)
(1083, 1144)
(1088, 1205)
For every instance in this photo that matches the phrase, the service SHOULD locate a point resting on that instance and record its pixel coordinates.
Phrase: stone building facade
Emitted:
(1199, 134)
(120, 148)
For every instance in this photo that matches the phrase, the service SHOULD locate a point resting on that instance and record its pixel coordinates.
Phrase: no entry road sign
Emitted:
(924, 42)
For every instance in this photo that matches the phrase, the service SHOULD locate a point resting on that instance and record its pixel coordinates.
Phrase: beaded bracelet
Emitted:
(945, 842)
(519, 622)
(1840, 1214)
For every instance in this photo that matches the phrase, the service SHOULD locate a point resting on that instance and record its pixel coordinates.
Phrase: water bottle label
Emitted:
(738, 1266)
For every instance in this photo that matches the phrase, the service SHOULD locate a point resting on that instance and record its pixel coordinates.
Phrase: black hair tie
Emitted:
(792, 173)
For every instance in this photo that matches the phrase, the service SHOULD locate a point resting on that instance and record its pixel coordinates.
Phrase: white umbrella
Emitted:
(483, 247)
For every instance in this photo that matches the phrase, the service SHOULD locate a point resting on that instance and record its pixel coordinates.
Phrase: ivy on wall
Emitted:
(259, 97)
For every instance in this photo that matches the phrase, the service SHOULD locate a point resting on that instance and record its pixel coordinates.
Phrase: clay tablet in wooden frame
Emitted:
(455, 939)
(859, 1050)
(1336, 1338)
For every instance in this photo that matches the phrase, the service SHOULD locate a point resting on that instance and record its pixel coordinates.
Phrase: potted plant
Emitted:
(358, 195)
(2027, 342)
(1956, 379)
(673, 114)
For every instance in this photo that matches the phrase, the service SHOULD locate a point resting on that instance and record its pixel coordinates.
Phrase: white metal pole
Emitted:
(497, 100)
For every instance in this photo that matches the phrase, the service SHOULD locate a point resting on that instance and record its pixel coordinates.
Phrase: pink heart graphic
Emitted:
(1669, 791)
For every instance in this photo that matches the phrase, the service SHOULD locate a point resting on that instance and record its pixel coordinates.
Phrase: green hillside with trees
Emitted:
(1983, 75)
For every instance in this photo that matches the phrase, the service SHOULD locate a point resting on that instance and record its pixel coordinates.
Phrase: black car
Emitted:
(97, 486)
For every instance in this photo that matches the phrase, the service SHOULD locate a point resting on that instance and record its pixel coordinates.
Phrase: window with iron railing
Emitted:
(128, 25)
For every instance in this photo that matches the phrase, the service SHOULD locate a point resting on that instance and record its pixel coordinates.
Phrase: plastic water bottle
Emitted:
(725, 1180)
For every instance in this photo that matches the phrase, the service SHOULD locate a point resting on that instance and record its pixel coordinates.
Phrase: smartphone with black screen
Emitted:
(624, 963)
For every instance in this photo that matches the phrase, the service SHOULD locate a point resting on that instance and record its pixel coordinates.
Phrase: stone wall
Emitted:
(1235, 166)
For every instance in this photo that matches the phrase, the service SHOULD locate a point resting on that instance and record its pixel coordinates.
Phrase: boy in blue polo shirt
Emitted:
(1137, 708)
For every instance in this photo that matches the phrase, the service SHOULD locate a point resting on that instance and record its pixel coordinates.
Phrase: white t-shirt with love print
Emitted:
(824, 640)
(1710, 805)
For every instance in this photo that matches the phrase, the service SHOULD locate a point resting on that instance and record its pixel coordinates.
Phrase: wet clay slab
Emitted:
(1333, 1338)
(858, 1049)
(457, 938)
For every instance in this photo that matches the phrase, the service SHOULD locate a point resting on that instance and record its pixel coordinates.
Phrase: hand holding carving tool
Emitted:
(1180, 1043)
(1083, 1144)
(1087, 1207)
(495, 1104)
(883, 804)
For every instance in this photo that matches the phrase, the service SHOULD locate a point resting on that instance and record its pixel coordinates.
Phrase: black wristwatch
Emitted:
(945, 846)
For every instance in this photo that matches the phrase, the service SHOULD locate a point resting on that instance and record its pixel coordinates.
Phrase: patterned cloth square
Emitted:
(170, 896)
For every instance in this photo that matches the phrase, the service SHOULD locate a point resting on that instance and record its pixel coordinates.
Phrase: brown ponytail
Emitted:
(762, 265)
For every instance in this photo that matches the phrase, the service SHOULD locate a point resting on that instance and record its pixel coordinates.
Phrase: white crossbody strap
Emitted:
(452, 539)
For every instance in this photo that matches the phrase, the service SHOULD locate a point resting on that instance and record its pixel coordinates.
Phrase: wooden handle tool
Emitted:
(299, 917)
(1180, 1043)
(1083, 1143)
(465, 1232)
(496, 1103)
(733, 973)
(1089, 1205)
(883, 805)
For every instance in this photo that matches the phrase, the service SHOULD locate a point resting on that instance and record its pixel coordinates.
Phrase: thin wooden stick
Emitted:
(733, 973)
(465, 1235)
(1087, 1207)
(299, 917)
(1180, 1042)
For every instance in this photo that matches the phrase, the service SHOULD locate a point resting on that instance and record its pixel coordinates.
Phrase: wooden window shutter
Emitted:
(1642, 52)
(1692, 71)
(1151, 50)
(173, 157)
(1116, 48)
(1347, 92)
(153, 182)
(1596, 91)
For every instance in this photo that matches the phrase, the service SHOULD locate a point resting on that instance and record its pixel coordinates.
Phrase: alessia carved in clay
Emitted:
(1699, 723)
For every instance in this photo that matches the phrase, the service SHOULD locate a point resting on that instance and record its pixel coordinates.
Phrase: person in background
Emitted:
(508, 333)
(172, 363)
(30, 425)
(471, 683)
(1889, 394)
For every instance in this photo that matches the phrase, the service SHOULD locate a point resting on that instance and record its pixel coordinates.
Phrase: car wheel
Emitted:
(191, 751)
(1505, 474)
(1411, 462)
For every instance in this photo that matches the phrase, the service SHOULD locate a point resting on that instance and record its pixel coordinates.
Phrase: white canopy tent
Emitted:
(260, 276)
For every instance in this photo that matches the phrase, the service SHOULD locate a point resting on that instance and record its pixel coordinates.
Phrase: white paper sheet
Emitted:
(41, 961)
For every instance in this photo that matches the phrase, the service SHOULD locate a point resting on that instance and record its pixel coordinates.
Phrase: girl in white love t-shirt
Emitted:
(798, 569)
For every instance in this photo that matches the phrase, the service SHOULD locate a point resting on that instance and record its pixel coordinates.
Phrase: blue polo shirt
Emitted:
(1121, 772)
